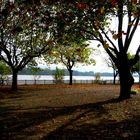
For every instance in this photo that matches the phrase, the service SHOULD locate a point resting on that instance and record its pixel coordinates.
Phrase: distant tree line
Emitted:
(46, 71)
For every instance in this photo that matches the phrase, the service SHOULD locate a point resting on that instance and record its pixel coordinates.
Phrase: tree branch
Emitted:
(128, 41)
(120, 19)
(110, 41)
(134, 60)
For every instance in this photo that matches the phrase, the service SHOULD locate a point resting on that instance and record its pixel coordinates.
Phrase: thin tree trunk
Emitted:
(139, 78)
(14, 80)
(114, 80)
(70, 74)
(115, 75)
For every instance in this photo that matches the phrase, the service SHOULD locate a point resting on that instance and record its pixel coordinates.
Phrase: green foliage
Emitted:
(97, 78)
(32, 66)
(58, 76)
(23, 34)
(134, 91)
(35, 70)
(4, 71)
(70, 54)
(135, 68)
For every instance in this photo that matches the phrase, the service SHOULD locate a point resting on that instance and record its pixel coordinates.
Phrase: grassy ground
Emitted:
(63, 112)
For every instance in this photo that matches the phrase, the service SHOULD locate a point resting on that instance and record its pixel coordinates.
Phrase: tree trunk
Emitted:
(114, 79)
(115, 73)
(14, 80)
(126, 81)
(139, 78)
(70, 74)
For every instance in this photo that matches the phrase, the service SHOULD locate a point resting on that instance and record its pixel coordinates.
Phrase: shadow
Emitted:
(107, 129)
(124, 130)
(18, 123)
(13, 121)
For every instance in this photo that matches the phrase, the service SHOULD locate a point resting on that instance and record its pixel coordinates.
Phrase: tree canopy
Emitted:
(70, 53)
(23, 35)
(92, 19)
(31, 24)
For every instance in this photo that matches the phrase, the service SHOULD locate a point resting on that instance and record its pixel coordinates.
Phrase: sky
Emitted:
(98, 55)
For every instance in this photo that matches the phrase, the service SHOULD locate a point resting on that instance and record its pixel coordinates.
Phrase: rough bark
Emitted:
(126, 82)
(70, 74)
(14, 80)
(126, 79)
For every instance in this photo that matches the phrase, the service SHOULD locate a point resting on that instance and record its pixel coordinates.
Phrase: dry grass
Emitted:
(63, 112)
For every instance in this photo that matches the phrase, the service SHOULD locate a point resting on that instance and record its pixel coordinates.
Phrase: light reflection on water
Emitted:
(50, 77)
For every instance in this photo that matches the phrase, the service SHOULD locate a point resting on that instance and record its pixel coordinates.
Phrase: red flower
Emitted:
(114, 2)
(81, 5)
(134, 1)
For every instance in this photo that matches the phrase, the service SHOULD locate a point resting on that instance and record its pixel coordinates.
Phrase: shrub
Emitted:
(58, 76)
(97, 78)
(134, 91)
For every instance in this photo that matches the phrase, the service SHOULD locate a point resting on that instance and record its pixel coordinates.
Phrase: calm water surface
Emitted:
(50, 77)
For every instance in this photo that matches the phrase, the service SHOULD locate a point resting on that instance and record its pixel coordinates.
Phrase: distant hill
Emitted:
(27, 71)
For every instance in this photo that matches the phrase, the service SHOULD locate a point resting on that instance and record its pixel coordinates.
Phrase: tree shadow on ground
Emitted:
(106, 129)
(15, 121)
(109, 130)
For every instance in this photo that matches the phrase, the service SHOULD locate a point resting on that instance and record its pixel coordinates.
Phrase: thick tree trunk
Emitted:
(70, 74)
(126, 82)
(14, 80)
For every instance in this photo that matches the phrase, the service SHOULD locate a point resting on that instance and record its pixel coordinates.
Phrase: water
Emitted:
(50, 77)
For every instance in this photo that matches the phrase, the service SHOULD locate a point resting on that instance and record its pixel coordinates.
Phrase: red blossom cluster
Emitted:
(82, 5)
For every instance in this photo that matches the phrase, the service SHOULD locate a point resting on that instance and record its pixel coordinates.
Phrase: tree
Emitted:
(58, 76)
(71, 46)
(93, 19)
(32, 66)
(70, 53)
(111, 64)
(97, 78)
(23, 35)
(4, 70)
(118, 53)
(135, 68)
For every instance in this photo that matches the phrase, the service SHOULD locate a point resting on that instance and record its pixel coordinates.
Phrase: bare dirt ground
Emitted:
(63, 112)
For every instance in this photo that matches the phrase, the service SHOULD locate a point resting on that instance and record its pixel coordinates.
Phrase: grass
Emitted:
(63, 112)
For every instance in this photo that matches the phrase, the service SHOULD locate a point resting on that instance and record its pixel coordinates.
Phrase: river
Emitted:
(50, 77)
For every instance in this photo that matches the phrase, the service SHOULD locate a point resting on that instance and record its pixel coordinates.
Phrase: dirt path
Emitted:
(63, 112)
